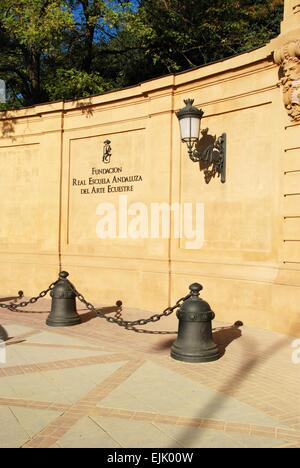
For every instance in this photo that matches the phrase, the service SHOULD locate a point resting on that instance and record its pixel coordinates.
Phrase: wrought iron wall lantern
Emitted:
(210, 152)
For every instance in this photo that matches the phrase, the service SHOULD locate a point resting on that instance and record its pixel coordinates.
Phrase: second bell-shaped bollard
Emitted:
(194, 341)
(63, 308)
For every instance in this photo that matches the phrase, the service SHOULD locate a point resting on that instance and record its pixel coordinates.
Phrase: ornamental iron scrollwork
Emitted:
(210, 152)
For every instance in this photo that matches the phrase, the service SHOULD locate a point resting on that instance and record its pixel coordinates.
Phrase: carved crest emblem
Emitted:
(107, 152)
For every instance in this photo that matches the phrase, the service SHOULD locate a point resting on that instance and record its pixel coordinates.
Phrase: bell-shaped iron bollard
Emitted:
(63, 308)
(195, 341)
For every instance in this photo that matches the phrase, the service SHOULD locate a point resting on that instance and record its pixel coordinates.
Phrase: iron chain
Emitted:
(131, 324)
(32, 300)
(117, 319)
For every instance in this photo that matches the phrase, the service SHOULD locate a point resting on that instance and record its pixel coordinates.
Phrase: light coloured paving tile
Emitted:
(75, 383)
(12, 434)
(87, 434)
(7, 390)
(137, 434)
(34, 420)
(169, 393)
(24, 355)
(15, 330)
(255, 441)
(56, 338)
(61, 386)
(190, 437)
(124, 400)
(31, 387)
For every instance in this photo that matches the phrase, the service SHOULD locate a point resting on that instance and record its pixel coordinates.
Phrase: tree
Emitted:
(178, 34)
(67, 49)
(47, 47)
(30, 32)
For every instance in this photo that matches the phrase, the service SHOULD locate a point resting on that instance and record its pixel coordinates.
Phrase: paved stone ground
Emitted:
(98, 385)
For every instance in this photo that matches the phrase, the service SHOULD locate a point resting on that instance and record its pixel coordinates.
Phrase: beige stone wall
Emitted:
(291, 16)
(250, 262)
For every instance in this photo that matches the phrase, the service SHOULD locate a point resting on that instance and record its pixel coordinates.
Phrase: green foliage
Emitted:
(181, 34)
(67, 49)
(31, 31)
(36, 24)
(74, 84)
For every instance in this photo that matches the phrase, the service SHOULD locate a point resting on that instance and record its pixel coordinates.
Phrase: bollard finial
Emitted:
(63, 274)
(195, 289)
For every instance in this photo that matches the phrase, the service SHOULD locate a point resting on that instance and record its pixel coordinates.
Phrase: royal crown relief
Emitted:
(288, 58)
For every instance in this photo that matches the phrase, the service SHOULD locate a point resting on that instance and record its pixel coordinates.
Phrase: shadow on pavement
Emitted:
(232, 385)
(91, 314)
(224, 336)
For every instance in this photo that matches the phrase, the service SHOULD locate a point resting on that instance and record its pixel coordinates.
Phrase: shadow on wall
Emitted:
(8, 122)
(7, 125)
(86, 107)
(12, 298)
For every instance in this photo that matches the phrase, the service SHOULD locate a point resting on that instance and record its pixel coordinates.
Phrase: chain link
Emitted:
(131, 325)
(32, 300)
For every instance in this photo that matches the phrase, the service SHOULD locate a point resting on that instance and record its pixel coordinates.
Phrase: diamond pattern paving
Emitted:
(62, 386)
(162, 391)
(97, 385)
(20, 424)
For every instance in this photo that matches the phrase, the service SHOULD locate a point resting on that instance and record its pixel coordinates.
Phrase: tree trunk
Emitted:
(88, 58)
(89, 39)
(33, 63)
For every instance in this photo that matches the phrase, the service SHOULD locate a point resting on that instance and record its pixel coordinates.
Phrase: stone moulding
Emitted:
(288, 58)
(296, 9)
